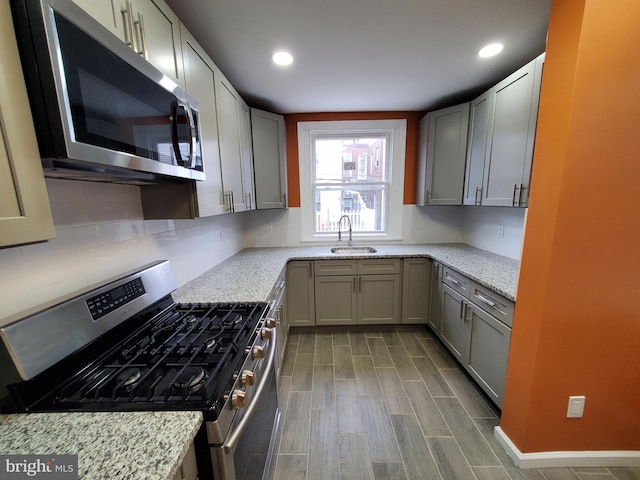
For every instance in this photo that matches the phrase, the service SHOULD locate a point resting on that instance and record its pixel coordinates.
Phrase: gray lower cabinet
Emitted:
(279, 315)
(350, 292)
(416, 277)
(486, 360)
(474, 323)
(454, 333)
(434, 319)
(300, 294)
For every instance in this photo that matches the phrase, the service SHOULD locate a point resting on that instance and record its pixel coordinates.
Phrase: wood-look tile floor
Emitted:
(374, 403)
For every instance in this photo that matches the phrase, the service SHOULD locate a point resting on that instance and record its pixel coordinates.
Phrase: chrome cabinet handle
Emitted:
(455, 282)
(139, 28)
(233, 202)
(234, 438)
(517, 190)
(486, 300)
(475, 197)
(128, 25)
(467, 309)
(462, 305)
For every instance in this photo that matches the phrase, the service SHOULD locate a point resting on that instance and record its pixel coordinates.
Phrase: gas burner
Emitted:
(191, 379)
(128, 377)
(235, 321)
(191, 321)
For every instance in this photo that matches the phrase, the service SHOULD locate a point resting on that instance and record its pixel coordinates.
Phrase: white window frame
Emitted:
(396, 130)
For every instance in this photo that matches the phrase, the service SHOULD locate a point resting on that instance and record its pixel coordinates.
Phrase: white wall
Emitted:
(100, 234)
(420, 225)
(481, 228)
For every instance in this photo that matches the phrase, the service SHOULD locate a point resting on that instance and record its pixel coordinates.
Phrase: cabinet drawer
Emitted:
(375, 266)
(457, 281)
(492, 303)
(336, 267)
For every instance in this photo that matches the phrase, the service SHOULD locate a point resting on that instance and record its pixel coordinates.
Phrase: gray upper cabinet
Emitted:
(269, 159)
(200, 73)
(246, 155)
(445, 134)
(513, 113)
(25, 215)
(228, 101)
(476, 149)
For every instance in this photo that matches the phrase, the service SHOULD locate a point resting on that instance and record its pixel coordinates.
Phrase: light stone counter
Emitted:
(250, 275)
(109, 445)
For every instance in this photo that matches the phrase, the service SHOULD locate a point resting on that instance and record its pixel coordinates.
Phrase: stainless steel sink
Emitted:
(353, 250)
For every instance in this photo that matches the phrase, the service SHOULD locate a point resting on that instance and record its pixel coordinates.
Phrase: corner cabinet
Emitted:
(246, 155)
(442, 151)
(25, 214)
(301, 310)
(269, 159)
(416, 275)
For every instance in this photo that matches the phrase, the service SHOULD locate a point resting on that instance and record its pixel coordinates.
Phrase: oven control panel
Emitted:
(106, 302)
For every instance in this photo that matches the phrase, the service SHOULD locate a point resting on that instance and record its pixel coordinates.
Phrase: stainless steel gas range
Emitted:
(127, 346)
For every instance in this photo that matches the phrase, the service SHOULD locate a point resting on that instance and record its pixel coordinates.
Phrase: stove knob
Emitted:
(258, 352)
(266, 333)
(248, 378)
(239, 399)
(271, 322)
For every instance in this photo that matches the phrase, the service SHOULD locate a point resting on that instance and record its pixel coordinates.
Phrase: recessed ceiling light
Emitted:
(490, 50)
(282, 58)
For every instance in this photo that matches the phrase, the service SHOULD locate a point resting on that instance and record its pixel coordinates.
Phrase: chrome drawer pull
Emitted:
(486, 300)
(456, 282)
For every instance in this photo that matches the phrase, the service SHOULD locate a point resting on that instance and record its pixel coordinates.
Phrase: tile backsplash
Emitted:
(100, 233)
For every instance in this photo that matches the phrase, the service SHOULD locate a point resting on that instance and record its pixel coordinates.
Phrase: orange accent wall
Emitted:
(576, 326)
(411, 154)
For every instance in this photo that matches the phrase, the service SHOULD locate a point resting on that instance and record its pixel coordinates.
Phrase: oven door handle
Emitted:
(234, 438)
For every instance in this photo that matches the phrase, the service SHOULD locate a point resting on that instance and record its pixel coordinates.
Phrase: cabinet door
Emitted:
(446, 152)
(488, 353)
(229, 138)
(416, 273)
(379, 299)
(435, 298)
(157, 37)
(110, 14)
(200, 83)
(246, 155)
(25, 215)
(300, 294)
(455, 332)
(269, 159)
(514, 106)
(476, 149)
(336, 300)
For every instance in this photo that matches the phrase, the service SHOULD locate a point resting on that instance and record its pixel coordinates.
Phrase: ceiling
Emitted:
(364, 55)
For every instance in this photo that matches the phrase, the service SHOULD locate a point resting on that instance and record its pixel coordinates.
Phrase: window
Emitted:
(351, 174)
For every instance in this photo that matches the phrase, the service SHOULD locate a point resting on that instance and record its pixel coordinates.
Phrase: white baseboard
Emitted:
(621, 458)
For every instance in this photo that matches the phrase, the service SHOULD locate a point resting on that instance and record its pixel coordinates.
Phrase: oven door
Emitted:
(248, 452)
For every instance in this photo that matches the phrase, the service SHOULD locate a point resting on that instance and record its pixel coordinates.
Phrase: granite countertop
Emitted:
(250, 275)
(109, 445)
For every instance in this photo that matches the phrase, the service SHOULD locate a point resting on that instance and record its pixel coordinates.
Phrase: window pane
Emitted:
(363, 205)
(350, 160)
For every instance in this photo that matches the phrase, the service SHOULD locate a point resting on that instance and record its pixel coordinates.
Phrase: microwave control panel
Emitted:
(104, 303)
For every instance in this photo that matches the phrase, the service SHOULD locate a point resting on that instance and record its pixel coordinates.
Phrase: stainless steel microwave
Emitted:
(101, 111)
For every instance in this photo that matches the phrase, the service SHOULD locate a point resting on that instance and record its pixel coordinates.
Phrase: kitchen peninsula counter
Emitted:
(122, 445)
(250, 275)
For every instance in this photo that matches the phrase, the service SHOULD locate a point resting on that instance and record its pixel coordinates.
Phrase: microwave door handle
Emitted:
(174, 130)
(234, 437)
(192, 135)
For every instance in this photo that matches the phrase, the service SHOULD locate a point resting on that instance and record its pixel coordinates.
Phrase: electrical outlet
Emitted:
(500, 231)
(221, 237)
(575, 409)
(269, 230)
